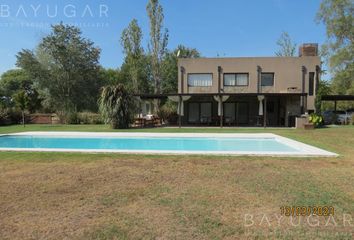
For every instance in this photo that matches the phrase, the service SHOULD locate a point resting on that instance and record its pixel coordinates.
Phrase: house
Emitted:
(249, 91)
(245, 91)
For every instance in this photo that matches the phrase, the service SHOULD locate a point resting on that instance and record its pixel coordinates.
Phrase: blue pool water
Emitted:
(146, 143)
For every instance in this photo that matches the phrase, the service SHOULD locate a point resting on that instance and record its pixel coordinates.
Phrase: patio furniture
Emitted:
(139, 122)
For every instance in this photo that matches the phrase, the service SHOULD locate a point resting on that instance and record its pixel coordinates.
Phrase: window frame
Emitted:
(236, 85)
(311, 83)
(273, 79)
(209, 73)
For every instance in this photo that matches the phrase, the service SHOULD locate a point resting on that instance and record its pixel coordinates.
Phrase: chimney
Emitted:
(308, 49)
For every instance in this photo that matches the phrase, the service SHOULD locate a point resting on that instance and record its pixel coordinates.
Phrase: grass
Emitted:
(116, 196)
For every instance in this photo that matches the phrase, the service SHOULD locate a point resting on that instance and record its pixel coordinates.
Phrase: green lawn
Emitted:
(117, 196)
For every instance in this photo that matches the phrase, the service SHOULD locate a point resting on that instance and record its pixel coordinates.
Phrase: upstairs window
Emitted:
(236, 79)
(311, 83)
(200, 79)
(267, 79)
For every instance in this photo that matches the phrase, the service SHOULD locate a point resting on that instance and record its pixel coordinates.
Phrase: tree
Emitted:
(10, 83)
(15, 81)
(66, 66)
(116, 105)
(338, 16)
(324, 88)
(110, 76)
(21, 101)
(157, 44)
(170, 69)
(134, 56)
(287, 48)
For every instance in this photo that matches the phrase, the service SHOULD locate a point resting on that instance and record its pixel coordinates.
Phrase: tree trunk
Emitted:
(23, 118)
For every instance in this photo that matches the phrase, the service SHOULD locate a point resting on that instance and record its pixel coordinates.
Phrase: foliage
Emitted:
(287, 48)
(22, 102)
(157, 44)
(168, 111)
(16, 80)
(170, 69)
(338, 16)
(134, 56)
(65, 65)
(316, 119)
(324, 88)
(89, 118)
(4, 116)
(117, 106)
(11, 82)
(110, 76)
(9, 116)
(68, 117)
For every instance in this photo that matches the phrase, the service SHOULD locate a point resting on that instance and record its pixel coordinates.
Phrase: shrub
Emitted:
(316, 119)
(4, 117)
(117, 106)
(168, 112)
(89, 118)
(10, 116)
(68, 117)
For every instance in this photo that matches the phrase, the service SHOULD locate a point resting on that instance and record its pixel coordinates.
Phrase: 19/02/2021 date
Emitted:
(307, 210)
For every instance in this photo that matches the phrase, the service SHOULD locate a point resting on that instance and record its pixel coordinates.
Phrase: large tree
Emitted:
(287, 48)
(169, 67)
(338, 16)
(135, 60)
(10, 83)
(16, 82)
(111, 76)
(65, 65)
(157, 44)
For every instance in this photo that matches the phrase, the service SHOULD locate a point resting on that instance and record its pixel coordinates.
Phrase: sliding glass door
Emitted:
(199, 112)
(236, 113)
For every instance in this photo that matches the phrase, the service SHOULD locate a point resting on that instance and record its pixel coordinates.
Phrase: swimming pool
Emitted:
(165, 143)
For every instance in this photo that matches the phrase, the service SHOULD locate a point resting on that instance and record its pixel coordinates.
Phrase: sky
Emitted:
(225, 28)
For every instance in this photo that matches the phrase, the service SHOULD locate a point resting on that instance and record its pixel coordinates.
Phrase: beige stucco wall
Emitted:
(287, 73)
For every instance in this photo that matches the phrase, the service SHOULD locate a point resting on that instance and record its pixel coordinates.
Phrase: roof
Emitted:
(337, 98)
(162, 96)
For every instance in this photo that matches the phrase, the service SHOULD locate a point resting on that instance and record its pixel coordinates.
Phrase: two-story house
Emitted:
(248, 91)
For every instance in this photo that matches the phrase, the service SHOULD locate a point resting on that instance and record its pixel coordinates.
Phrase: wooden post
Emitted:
(265, 113)
(335, 105)
(303, 69)
(221, 112)
(259, 73)
(179, 112)
(182, 79)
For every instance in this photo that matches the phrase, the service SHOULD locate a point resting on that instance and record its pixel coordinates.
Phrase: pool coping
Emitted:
(306, 150)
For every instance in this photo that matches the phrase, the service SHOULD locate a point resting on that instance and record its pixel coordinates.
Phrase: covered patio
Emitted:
(235, 109)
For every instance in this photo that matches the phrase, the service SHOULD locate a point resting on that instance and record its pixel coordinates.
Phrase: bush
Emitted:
(117, 106)
(68, 117)
(316, 119)
(168, 112)
(9, 116)
(89, 118)
(4, 117)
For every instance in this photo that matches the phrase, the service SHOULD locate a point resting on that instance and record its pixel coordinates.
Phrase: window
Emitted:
(200, 79)
(311, 83)
(236, 79)
(267, 79)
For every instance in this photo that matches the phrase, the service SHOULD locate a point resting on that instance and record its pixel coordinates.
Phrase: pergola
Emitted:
(180, 98)
(336, 98)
